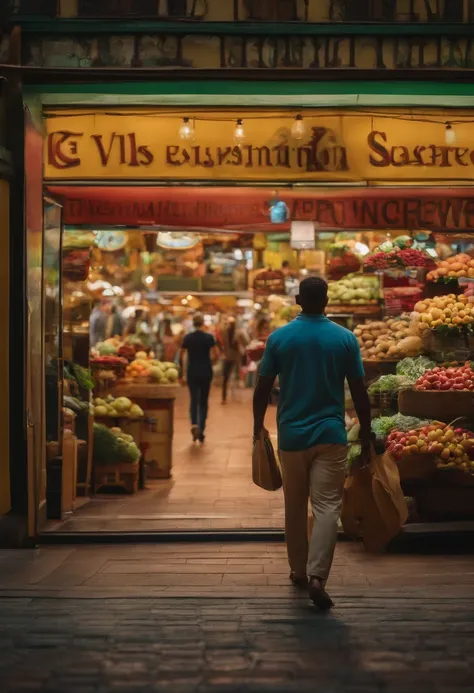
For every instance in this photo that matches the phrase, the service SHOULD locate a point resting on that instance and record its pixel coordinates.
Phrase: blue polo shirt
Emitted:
(312, 357)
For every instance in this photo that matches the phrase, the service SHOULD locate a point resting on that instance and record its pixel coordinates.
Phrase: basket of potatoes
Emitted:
(388, 340)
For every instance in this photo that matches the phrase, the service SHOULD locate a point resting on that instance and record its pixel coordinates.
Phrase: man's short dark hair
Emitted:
(313, 294)
(198, 320)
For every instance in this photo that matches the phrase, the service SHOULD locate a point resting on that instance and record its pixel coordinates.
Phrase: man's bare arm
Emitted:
(261, 397)
(361, 401)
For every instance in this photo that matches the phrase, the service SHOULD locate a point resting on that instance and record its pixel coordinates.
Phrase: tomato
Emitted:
(458, 386)
(445, 386)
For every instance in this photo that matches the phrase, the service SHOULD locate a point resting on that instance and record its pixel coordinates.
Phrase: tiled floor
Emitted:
(223, 618)
(211, 486)
(221, 569)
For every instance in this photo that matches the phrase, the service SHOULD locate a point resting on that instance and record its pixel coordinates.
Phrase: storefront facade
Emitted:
(105, 107)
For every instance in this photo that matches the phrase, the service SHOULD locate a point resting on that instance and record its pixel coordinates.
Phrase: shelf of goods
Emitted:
(155, 435)
(433, 438)
(436, 459)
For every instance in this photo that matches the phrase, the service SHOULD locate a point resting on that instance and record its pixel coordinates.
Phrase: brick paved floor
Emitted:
(222, 618)
(211, 487)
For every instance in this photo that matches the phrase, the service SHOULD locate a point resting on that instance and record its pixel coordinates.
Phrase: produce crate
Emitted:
(130, 426)
(374, 369)
(442, 502)
(386, 401)
(123, 475)
(156, 430)
(416, 467)
(444, 348)
(433, 289)
(443, 406)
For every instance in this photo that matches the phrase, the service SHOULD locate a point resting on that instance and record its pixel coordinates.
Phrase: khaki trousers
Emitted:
(317, 473)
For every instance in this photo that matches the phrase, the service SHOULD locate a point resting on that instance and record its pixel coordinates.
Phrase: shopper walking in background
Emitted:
(168, 342)
(114, 326)
(234, 342)
(98, 322)
(312, 357)
(199, 348)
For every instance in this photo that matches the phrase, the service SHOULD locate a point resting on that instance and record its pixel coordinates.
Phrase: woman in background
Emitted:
(233, 345)
(169, 344)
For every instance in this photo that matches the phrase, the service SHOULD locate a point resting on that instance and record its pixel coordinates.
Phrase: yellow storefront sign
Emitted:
(343, 146)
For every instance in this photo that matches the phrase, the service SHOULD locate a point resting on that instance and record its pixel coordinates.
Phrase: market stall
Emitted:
(421, 382)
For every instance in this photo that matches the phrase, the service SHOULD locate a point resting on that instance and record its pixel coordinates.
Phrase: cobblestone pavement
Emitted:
(223, 618)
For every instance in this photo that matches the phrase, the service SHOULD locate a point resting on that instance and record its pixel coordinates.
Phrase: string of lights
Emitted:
(187, 128)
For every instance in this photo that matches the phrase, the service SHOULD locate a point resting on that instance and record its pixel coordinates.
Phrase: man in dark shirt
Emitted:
(201, 351)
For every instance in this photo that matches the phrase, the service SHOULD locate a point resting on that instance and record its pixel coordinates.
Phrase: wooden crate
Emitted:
(442, 502)
(416, 467)
(123, 475)
(444, 406)
(69, 472)
(156, 429)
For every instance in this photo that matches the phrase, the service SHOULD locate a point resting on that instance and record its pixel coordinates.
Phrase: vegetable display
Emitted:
(414, 367)
(389, 339)
(108, 361)
(441, 378)
(117, 406)
(391, 256)
(449, 312)
(113, 446)
(383, 425)
(389, 384)
(355, 289)
(450, 270)
(452, 447)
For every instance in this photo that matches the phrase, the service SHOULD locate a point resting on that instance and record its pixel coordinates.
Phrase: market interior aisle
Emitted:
(211, 486)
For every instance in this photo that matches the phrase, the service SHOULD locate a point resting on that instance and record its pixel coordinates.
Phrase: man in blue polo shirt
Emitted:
(312, 357)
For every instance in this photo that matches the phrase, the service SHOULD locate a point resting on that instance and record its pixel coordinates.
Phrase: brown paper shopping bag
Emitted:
(265, 470)
(374, 506)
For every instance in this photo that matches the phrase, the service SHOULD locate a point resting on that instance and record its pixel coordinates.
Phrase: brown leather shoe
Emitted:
(300, 581)
(318, 595)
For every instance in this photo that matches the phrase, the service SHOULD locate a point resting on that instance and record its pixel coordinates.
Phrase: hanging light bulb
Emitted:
(239, 132)
(298, 128)
(186, 131)
(450, 134)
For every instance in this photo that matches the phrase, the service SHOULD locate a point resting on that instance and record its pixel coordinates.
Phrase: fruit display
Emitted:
(451, 269)
(112, 445)
(108, 363)
(355, 289)
(451, 447)
(449, 378)
(389, 339)
(115, 346)
(342, 261)
(160, 372)
(396, 255)
(448, 312)
(117, 406)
